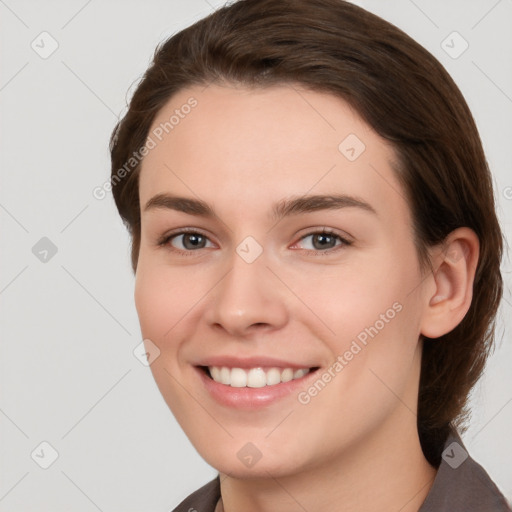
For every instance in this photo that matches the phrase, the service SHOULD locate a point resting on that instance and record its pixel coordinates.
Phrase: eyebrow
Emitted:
(281, 209)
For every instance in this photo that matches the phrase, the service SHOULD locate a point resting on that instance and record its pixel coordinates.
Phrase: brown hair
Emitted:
(405, 95)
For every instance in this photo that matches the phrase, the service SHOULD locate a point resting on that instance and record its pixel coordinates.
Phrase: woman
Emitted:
(317, 258)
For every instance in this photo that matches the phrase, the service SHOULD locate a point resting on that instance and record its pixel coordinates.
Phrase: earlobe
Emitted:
(452, 279)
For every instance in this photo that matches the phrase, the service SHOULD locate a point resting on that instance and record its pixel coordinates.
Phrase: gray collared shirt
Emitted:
(460, 485)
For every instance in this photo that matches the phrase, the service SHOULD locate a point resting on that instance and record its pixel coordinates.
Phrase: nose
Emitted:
(248, 300)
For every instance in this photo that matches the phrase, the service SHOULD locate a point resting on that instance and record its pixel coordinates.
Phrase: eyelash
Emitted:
(164, 241)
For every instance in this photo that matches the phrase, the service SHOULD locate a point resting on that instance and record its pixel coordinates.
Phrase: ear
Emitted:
(450, 287)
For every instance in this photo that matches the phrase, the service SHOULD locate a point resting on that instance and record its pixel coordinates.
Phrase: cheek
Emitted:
(162, 298)
(149, 302)
(372, 316)
(158, 305)
(348, 298)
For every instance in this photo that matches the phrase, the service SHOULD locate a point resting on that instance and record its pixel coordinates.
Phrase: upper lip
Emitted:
(251, 362)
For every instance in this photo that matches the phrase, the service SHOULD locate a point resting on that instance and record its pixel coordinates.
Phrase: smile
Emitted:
(254, 382)
(257, 377)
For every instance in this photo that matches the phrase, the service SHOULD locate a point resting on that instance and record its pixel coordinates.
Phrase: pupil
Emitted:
(323, 238)
(192, 241)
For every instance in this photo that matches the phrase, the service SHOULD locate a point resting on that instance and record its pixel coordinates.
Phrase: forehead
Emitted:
(254, 146)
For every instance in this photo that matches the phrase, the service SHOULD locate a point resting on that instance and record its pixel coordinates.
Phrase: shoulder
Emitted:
(461, 484)
(202, 500)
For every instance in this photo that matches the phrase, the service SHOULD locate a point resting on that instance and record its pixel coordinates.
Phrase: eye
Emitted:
(186, 241)
(319, 241)
(323, 241)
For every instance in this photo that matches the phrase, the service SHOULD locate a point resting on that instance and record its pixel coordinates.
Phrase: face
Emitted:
(277, 281)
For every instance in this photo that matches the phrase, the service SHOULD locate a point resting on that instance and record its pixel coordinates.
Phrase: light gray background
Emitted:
(68, 375)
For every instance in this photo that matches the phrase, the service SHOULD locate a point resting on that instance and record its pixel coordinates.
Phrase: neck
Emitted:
(386, 471)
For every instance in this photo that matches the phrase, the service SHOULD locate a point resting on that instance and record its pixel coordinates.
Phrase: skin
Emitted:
(242, 150)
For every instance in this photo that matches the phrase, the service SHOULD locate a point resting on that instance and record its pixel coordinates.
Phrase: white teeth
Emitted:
(286, 375)
(215, 371)
(254, 377)
(238, 378)
(297, 374)
(273, 376)
(225, 375)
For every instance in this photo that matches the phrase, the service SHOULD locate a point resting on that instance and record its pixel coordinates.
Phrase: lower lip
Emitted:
(252, 398)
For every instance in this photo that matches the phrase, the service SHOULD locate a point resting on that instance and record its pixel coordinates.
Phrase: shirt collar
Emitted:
(461, 483)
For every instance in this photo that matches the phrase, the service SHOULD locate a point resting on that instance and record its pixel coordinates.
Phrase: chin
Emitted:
(244, 459)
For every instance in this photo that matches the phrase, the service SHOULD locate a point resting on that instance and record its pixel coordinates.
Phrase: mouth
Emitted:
(254, 387)
(257, 377)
